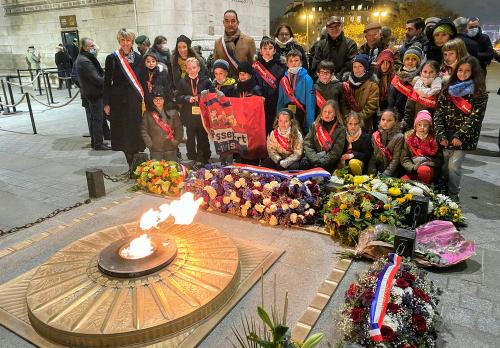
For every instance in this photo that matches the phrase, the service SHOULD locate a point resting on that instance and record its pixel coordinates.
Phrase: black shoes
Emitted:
(102, 147)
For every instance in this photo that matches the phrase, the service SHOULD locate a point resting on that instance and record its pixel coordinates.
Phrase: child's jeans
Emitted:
(452, 169)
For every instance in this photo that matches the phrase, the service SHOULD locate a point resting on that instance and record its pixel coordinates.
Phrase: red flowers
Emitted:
(421, 294)
(403, 284)
(418, 323)
(366, 297)
(356, 315)
(392, 308)
(353, 290)
(410, 278)
(388, 334)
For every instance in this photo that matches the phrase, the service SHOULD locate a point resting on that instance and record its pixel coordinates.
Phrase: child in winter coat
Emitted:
(453, 51)
(296, 91)
(387, 144)
(268, 72)
(385, 73)
(402, 84)
(458, 118)
(284, 143)
(156, 75)
(222, 82)
(190, 87)
(327, 87)
(426, 89)
(161, 129)
(358, 146)
(324, 143)
(360, 91)
(247, 84)
(420, 156)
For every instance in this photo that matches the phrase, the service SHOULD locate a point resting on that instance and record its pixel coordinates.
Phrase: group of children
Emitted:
(415, 122)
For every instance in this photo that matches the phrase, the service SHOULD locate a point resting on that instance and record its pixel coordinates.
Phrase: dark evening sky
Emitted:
(487, 10)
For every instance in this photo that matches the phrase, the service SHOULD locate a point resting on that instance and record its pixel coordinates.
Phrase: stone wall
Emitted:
(33, 22)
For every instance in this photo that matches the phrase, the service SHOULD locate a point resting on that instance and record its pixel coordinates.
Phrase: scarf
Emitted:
(407, 75)
(283, 44)
(246, 87)
(324, 132)
(358, 81)
(130, 57)
(461, 89)
(229, 81)
(385, 81)
(349, 96)
(182, 66)
(231, 41)
(422, 147)
(353, 138)
(94, 61)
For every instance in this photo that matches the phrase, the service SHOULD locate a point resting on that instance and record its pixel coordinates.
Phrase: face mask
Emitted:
(294, 70)
(93, 52)
(472, 32)
(164, 47)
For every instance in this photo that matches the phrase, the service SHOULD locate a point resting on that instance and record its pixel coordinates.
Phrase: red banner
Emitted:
(235, 125)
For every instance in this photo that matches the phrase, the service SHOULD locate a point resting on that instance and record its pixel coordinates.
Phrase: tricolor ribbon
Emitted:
(382, 296)
(302, 175)
(129, 73)
(229, 54)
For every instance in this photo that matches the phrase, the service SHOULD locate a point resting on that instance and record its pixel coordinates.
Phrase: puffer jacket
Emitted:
(313, 149)
(332, 90)
(367, 97)
(277, 153)
(450, 122)
(393, 140)
(154, 137)
(430, 154)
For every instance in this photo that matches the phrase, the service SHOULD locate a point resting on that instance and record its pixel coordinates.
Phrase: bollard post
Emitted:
(20, 81)
(5, 98)
(68, 85)
(95, 183)
(38, 81)
(9, 88)
(45, 77)
(138, 159)
(1, 106)
(404, 242)
(28, 101)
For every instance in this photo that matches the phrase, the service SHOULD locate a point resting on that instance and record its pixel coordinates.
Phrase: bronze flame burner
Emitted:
(110, 261)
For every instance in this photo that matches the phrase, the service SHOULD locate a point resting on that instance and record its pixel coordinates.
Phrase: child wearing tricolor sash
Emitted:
(296, 91)
(284, 143)
(161, 129)
(387, 143)
(327, 86)
(324, 143)
(358, 146)
(426, 90)
(420, 156)
(458, 118)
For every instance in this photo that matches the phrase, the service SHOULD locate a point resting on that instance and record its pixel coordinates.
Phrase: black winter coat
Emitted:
(176, 69)
(283, 51)
(271, 95)
(63, 61)
(184, 93)
(159, 77)
(125, 104)
(361, 149)
(90, 76)
(435, 52)
(485, 49)
(471, 45)
(340, 51)
(332, 90)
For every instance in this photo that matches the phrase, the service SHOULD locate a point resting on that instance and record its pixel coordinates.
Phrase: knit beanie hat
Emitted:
(185, 39)
(423, 115)
(220, 64)
(443, 28)
(245, 67)
(432, 20)
(415, 50)
(385, 55)
(363, 59)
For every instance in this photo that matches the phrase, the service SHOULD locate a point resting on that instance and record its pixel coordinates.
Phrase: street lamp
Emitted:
(307, 17)
(379, 14)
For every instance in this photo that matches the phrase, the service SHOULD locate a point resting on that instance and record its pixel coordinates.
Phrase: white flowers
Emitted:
(453, 205)
(391, 322)
(378, 185)
(336, 180)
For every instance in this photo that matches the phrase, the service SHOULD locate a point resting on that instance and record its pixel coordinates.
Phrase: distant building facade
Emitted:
(45, 24)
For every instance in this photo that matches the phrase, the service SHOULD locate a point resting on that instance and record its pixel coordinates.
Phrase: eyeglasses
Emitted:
(333, 26)
(284, 34)
(322, 72)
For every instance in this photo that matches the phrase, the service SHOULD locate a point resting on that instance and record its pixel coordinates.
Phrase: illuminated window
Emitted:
(320, 9)
(360, 6)
(313, 9)
(359, 19)
(342, 19)
(353, 7)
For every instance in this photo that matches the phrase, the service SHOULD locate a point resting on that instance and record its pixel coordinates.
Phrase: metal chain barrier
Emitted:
(55, 106)
(42, 219)
(123, 177)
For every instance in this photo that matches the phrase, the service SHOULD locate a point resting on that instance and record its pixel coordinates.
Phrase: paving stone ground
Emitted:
(43, 172)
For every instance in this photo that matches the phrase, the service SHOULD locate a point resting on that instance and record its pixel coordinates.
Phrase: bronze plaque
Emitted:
(67, 21)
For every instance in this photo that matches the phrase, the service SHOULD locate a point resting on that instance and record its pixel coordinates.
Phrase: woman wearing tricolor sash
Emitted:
(458, 118)
(284, 143)
(387, 144)
(123, 96)
(324, 143)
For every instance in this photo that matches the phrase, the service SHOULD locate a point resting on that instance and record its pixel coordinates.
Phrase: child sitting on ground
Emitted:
(161, 129)
(284, 143)
(420, 155)
(358, 146)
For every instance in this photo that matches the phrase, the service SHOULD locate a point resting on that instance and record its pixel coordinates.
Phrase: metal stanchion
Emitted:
(9, 87)
(50, 90)
(45, 76)
(38, 81)
(20, 81)
(1, 106)
(5, 98)
(31, 113)
(69, 88)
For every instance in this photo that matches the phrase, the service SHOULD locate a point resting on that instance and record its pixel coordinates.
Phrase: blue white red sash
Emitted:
(301, 175)
(382, 296)
(229, 54)
(129, 72)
